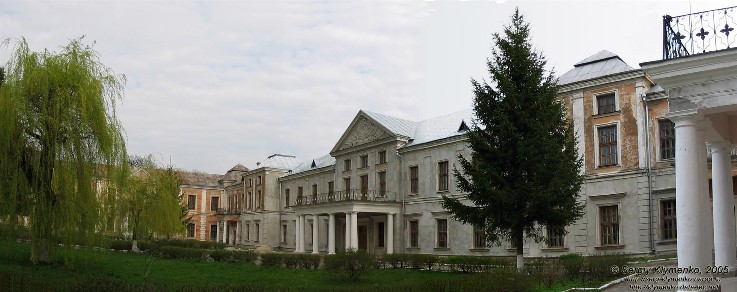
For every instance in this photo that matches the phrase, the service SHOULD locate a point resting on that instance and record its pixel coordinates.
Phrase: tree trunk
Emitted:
(41, 225)
(134, 247)
(519, 240)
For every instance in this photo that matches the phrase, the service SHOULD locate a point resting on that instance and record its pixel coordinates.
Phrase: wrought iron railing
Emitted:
(352, 195)
(223, 211)
(699, 32)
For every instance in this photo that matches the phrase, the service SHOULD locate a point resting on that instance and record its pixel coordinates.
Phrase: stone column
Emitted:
(331, 233)
(354, 230)
(389, 229)
(704, 200)
(315, 238)
(725, 239)
(348, 231)
(238, 232)
(217, 236)
(225, 231)
(691, 234)
(301, 233)
(296, 234)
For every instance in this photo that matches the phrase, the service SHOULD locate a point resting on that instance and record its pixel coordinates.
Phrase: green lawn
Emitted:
(131, 268)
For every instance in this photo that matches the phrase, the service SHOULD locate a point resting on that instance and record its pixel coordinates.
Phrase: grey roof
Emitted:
(397, 126)
(281, 161)
(598, 65)
(197, 178)
(441, 127)
(655, 89)
(320, 162)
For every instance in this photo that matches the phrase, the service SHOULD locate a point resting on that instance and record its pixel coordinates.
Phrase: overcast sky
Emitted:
(216, 83)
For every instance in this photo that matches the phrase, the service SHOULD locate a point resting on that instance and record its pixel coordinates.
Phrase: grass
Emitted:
(132, 269)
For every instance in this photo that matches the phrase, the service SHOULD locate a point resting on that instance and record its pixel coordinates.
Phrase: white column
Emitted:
(725, 238)
(331, 233)
(296, 234)
(225, 231)
(348, 231)
(354, 230)
(704, 200)
(217, 236)
(315, 238)
(691, 243)
(238, 232)
(301, 233)
(389, 229)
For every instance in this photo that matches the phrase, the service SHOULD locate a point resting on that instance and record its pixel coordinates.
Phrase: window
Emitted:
(479, 238)
(668, 219)
(442, 233)
(382, 157)
(250, 201)
(250, 182)
(213, 232)
(331, 188)
(258, 234)
(299, 195)
(346, 165)
(364, 161)
(364, 184)
(667, 139)
(314, 189)
(443, 176)
(248, 232)
(414, 186)
(608, 145)
(606, 103)
(555, 236)
(380, 234)
(214, 203)
(190, 230)
(284, 233)
(609, 220)
(382, 183)
(191, 202)
(347, 184)
(258, 199)
(286, 197)
(258, 180)
(414, 233)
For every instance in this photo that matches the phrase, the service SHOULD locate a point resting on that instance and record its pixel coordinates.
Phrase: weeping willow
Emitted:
(61, 144)
(150, 204)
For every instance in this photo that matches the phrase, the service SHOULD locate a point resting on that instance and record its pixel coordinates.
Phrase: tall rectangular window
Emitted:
(258, 180)
(331, 188)
(479, 238)
(284, 233)
(364, 184)
(314, 189)
(346, 165)
(382, 183)
(213, 232)
(609, 222)
(380, 234)
(442, 232)
(667, 139)
(347, 185)
(442, 176)
(414, 233)
(668, 219)
(250, 201)
(257, 235)
(608, 145)
(364, 161)
(286, 197)
(214, 203)
(190, 230)
(414, 186)
(248, 232)
(191, 202)
(299, 196)
(382, 157)
(606, 103)
(555, 236)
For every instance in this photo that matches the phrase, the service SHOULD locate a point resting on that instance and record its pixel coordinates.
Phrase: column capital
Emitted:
(720, 146)
(689, 118)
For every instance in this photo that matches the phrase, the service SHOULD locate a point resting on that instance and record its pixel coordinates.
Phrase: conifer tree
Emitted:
(523, 173)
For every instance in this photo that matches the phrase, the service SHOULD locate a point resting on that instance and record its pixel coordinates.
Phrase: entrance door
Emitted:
(363, 237)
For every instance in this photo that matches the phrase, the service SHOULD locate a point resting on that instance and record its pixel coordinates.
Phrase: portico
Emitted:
(702, 89)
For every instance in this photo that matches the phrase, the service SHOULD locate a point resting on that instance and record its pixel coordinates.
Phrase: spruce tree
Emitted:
(523, 173)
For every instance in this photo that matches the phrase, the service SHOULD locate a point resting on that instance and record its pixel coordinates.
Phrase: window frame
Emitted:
(667, 139)
(443, 176)
(214, 203)
(381, 178)
(670, 218)
(214, 231)
(364, 184)
(364, 161)
(191, 202)
(617, 145)
(479, 237)
(193, 228)
(286, 197)
(414, 180)
(615, 239)
(555, 239)
(441, 235)
(414, 233)
(381, 157)
(347, 185)
(615, 97)
(347, 164)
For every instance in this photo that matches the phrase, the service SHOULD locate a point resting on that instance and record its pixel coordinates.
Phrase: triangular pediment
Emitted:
(362, 131)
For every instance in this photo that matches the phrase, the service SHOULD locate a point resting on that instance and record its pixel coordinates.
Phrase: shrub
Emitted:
(395, 260)
(233, 256)
(349, 265)
(599, 266)
(572, 264)
(121, 244)
(272, 259)
(174, 252)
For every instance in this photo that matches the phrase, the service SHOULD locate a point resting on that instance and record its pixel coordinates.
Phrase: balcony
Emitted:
(699, 32)
(223, 211)
(352, 195)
